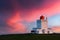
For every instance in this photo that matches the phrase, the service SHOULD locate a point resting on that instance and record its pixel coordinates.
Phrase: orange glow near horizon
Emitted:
(56, 29)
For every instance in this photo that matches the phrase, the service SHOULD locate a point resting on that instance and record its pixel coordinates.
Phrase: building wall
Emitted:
(44, 24)
(38, 23)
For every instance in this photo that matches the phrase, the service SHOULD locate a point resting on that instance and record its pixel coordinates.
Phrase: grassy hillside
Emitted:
(30, 37)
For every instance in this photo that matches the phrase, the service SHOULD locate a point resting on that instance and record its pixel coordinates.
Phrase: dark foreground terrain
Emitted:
(30, 37)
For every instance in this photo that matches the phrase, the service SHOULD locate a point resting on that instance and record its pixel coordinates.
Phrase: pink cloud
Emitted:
(15, 23)
(49, 9)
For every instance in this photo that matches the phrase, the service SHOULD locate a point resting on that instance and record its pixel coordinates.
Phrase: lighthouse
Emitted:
(42, 26)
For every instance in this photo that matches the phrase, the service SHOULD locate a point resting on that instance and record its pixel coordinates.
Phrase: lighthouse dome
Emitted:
(42, 17)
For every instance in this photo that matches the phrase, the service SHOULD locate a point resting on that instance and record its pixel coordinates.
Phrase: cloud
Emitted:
(48, 8)
(16, 23)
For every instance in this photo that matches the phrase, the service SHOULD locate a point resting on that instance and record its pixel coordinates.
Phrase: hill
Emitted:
(30, 37)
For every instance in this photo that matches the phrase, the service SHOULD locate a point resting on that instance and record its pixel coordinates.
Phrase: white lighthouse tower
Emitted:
(44, 25)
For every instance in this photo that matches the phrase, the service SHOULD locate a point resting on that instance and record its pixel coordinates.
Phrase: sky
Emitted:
(19, 16)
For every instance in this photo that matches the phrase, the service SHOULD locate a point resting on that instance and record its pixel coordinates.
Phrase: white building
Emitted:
(43, 27)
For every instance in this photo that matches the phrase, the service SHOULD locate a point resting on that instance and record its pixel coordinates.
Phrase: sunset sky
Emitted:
(19, 16)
